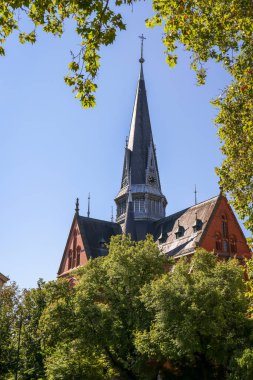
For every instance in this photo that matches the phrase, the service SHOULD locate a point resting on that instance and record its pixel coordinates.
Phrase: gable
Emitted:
(223, 234)
(74, 254)
(88, 239)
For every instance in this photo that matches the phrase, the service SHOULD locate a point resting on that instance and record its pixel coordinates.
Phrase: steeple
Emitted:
(140, 169)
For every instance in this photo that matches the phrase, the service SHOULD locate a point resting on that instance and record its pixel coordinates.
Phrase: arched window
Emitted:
(233, 245)
(224, 227)
(225, 246)
(78, 253)
(74, 259)
(218, 245)
(74, 249)
(70, 259)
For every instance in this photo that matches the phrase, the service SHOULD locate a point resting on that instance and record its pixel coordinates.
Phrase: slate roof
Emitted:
(165, 229)
(95, 234)
(140, 136)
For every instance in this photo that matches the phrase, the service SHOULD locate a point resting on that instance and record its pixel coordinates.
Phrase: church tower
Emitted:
(140, 200)
(141, 205)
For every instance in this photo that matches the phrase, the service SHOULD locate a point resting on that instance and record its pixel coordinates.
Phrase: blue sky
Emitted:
(52, 150)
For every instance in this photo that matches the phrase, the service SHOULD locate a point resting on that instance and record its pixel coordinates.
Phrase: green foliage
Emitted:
(128, 317)
(221, 30)
(95, 22)
(67, 362)
(31, 357)
(9, 308)
(105, 312)
(199, 315)
(209, 29)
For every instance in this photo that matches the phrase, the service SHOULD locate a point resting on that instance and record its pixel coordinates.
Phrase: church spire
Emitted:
(140, 164)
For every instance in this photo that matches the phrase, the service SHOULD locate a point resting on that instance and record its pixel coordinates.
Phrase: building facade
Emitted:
(141, 208)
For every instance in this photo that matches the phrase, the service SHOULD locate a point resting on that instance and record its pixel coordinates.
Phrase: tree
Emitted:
(128, 319)
(31, 365)
(209, 29)
(96, 325)
(199, 322)
(221, 30)
(132, 315)
(9, 307)
(95, 22)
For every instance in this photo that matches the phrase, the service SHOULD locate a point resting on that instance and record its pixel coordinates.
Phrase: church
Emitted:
(141, 208)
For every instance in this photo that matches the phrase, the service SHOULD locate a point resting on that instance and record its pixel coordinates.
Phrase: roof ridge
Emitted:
(207, 200)
(187, 208)
(97, 220)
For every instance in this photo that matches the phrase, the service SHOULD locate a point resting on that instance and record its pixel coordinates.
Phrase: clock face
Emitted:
(151, 180)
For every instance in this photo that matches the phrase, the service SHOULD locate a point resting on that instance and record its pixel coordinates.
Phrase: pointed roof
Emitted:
(95, 234)
(140, 137)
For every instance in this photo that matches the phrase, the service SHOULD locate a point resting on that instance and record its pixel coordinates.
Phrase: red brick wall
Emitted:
(215, 226)
(64, 270)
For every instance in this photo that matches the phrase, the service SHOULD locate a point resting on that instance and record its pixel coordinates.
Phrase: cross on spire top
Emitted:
(141, 60)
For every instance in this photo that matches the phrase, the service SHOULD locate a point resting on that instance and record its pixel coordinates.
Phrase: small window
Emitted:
(102, 243)
(78, 253)
(70, 259)
(163, 236)
(136, 205)
(225, 246)
(218, 245)
(141, 205)
(179, 231)
(121, 208)
(74, 259)
(197, 225)
(233, 245)
(224, 227)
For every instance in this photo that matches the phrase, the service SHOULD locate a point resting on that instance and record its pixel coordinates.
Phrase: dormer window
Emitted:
(102, 243)
(197, 224)
(179, 231)
(163, 236)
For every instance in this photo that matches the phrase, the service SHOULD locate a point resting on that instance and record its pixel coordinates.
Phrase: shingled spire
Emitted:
(140, 167)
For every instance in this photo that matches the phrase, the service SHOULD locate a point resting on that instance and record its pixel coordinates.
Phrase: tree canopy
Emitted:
(221, 30)
(133, 314)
